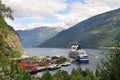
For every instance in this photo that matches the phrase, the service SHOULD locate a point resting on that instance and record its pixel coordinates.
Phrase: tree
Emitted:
(9, 69)
(61, 75)
(47, 76)
(5, 11)
(110, 66)
(76, 75)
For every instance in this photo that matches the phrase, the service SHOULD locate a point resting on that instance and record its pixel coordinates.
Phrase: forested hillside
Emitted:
(9, 39)
(98, 31)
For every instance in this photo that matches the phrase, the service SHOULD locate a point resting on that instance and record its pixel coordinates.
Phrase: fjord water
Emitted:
(95, 55)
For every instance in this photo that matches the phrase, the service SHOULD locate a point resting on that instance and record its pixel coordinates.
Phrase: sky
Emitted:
(29, 14)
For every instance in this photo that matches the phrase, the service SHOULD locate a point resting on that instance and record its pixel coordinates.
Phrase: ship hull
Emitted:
(83, 59)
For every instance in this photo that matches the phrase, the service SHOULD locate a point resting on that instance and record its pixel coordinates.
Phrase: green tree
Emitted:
(5, 11)
(9, 69)
(76, 75)
(89, 74)
(61, 75)
(47, 76)
(110, 66)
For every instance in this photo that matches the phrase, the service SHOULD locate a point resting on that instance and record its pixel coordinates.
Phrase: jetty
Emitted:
(36, 64)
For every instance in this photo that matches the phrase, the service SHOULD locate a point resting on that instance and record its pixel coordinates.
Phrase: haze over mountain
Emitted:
(97, 31)
(34, 37)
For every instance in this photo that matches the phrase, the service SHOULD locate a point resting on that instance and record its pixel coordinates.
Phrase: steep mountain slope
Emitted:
(97, 31)
(9, 39)
(33, 37)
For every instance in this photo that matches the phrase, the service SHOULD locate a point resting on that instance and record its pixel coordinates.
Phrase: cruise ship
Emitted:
(78, 54)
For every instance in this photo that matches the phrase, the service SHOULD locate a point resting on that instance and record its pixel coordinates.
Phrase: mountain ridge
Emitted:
(39, 35)
(84, 31)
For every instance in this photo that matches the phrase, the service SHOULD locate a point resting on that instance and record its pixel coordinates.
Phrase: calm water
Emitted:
(94, 55)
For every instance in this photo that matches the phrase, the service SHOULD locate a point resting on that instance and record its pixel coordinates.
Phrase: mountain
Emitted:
(97, 31)
(34, 37)
(9, 39)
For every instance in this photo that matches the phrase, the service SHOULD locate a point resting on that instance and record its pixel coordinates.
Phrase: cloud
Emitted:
(38, 10)
(33, 8)
(80, 11)
(21, 26)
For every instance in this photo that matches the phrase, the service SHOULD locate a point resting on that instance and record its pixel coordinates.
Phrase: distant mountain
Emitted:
(34, 37)
(97, 31)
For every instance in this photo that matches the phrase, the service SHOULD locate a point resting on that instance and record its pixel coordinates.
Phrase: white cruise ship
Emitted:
(78, 54)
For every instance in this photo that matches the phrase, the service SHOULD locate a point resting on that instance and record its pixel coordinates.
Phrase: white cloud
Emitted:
(58, 24)
(20, 26)
(33, 8)
(38, 10)
(80, 11)
(17, 26)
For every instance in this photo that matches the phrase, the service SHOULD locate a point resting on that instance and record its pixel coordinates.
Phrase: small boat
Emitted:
(66, 64)
(79, 54)
(54, 66)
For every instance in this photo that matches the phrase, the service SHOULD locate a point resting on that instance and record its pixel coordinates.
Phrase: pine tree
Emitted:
(61, 75)
(47, 76)
(110, 68)
(76, 75)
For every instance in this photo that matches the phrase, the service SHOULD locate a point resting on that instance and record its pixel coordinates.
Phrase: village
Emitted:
(35, 64)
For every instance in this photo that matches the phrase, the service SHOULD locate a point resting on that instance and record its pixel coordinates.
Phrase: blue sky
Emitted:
(55, 13)
(70, 1)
